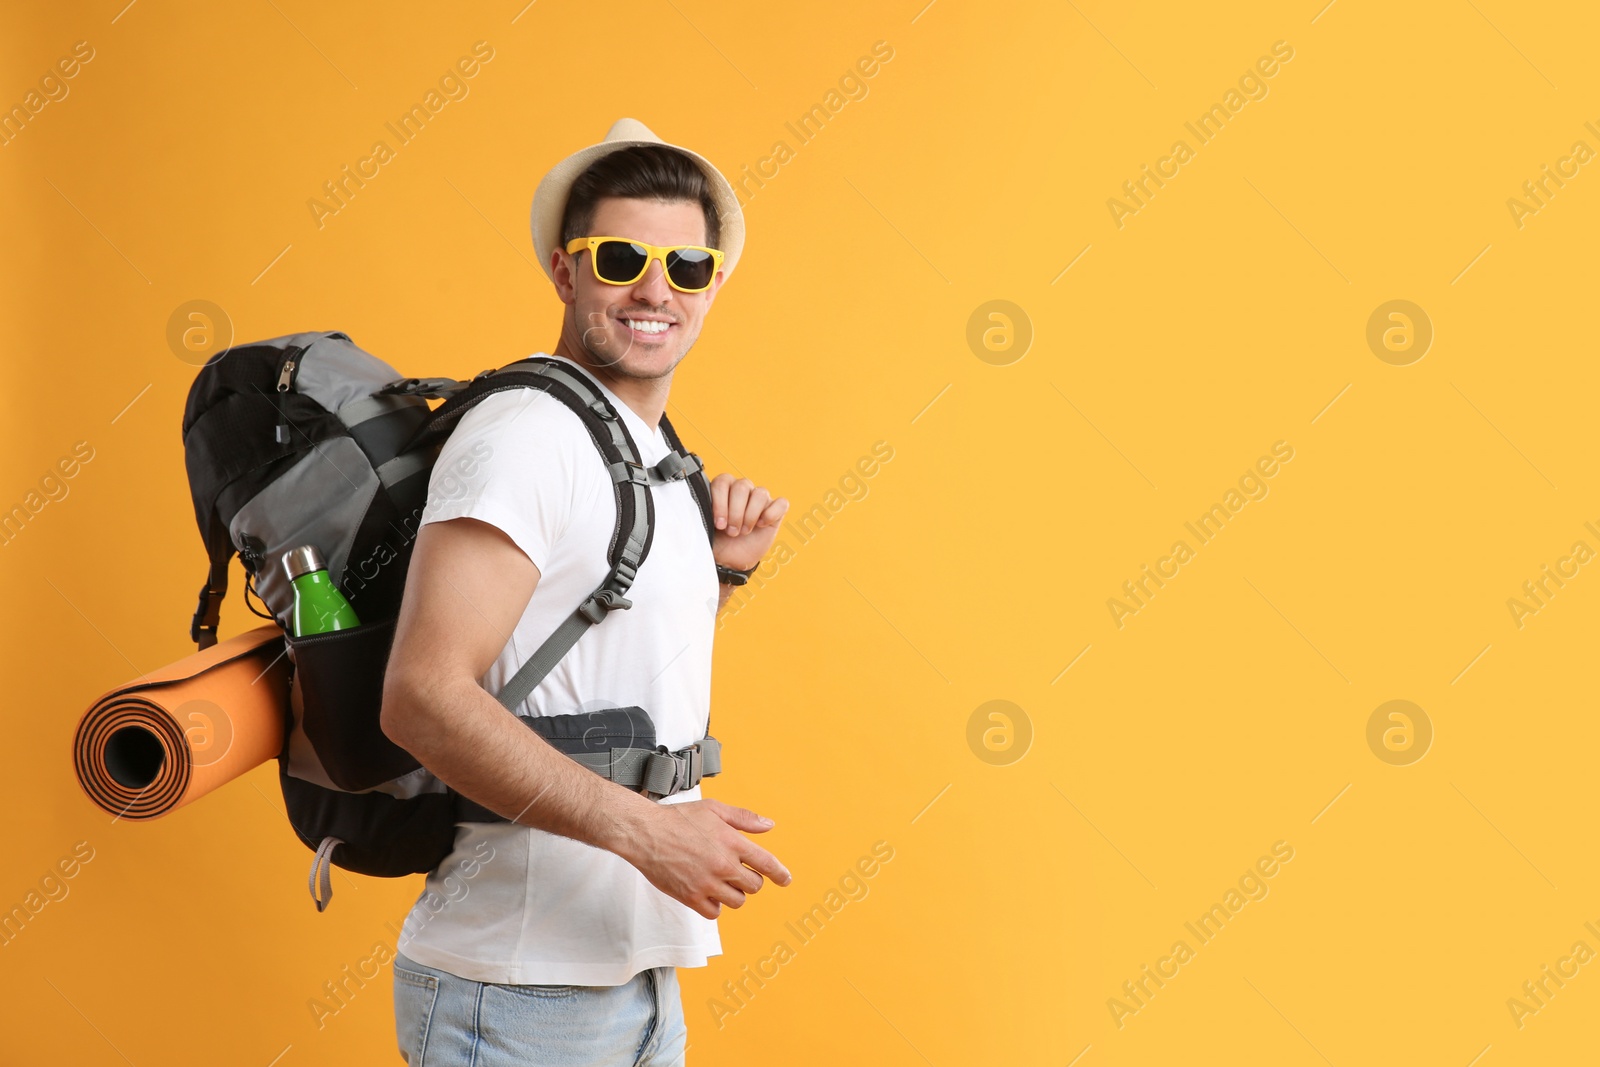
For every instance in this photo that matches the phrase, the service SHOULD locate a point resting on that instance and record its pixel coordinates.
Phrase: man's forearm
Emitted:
(471, 743)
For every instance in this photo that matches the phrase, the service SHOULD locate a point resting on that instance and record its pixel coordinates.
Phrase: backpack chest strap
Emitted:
(676, 467)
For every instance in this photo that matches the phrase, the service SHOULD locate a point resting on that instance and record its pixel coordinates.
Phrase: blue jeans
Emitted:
(445, 1021)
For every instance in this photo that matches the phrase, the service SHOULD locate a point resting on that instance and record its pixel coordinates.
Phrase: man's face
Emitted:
(599, 313)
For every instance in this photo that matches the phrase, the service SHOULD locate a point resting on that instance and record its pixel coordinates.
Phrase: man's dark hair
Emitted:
(640, 172)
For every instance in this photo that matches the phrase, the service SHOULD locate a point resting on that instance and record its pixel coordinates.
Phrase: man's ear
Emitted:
(561, 269)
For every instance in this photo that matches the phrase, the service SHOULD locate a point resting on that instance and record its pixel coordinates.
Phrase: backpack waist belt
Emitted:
(617, 745)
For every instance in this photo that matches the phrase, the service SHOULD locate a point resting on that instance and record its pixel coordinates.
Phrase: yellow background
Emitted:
(1227, 314)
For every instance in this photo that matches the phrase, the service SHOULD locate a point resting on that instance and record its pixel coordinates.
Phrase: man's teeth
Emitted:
(644, 326)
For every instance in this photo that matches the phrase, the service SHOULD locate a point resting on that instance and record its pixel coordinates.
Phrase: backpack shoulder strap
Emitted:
(696, 473)
(630, 483)
(701, 490)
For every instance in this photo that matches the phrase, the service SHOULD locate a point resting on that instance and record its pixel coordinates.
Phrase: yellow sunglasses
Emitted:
(620, 261)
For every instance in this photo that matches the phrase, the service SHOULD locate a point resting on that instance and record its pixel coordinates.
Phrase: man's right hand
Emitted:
(694, 852)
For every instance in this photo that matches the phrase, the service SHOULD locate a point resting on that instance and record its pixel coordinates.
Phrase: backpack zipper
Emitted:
(286, 373)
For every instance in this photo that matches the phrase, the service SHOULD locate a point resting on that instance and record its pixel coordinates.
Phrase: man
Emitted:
(561, 931)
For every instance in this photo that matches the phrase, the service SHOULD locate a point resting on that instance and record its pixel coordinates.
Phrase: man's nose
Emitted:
(653, 287)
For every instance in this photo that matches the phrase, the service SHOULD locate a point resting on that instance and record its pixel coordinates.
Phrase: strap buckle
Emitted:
(677, 466)
(668, 773)
(630, 473)
(710, 750)
(207, 614)
(602, 603)
(674, 468)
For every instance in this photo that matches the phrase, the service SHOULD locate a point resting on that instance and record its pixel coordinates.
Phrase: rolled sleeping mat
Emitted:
(172, 736)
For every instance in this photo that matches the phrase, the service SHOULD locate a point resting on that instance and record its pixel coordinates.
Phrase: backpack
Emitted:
(307, 439)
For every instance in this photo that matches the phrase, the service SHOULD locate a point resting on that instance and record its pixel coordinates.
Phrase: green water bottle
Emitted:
(318, 604)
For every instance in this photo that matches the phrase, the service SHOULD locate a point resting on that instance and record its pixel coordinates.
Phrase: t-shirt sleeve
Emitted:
(511, 462)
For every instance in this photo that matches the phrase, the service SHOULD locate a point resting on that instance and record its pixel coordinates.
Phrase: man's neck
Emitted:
(645, 397)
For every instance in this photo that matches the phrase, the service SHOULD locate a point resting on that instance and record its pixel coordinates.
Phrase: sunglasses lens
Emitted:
(690, 268)
(619, 261)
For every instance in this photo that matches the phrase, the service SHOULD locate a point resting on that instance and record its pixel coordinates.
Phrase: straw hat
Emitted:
(550, 199)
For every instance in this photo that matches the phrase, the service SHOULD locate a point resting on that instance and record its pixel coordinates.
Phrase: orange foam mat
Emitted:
(172, 736)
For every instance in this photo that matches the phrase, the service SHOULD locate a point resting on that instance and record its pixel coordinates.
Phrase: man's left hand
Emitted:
(746, 519)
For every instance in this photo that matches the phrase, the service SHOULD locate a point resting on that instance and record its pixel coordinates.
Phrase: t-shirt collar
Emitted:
(635, 424)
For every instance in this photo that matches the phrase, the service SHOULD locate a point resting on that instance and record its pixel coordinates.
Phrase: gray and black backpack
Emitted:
(307, 439)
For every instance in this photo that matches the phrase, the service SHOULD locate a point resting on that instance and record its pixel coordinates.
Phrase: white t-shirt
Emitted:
(516, 905)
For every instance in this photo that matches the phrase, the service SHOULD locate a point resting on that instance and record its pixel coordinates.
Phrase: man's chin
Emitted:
(637, 360)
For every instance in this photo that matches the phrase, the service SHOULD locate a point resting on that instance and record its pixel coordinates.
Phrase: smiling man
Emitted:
(560, 941)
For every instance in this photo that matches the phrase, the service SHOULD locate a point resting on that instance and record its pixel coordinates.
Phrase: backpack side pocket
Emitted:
(340, 678)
